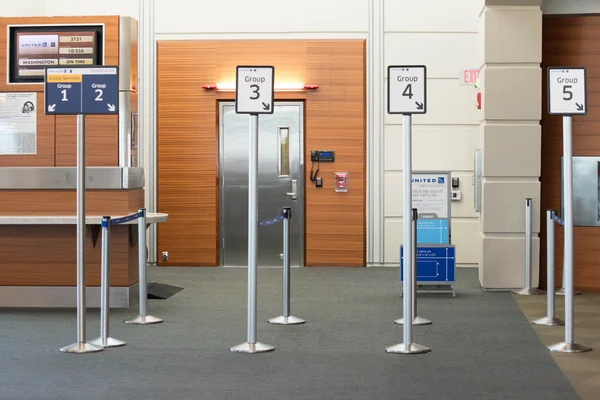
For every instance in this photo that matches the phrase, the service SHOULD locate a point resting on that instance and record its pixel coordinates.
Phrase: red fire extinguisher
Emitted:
(478, 95)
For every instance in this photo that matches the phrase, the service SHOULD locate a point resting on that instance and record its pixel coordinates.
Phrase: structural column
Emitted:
(510, 138)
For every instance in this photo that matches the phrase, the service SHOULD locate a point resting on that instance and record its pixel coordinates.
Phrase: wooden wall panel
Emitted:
(188, 141)
(44, 156)
(21, 246)
(571, 41)
(101, 141)
(64, 202)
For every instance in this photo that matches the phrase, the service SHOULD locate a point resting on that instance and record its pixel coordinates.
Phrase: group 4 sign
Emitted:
(81, 90)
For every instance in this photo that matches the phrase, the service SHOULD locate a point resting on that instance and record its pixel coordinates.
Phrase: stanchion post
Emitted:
(561, 291)
(105, 340)
(143, 318)
(252, 346)
(407, 346)
(569, 345)
(286, 318)
(415, 316)
(528, 290)
(550, 319)
(81, 346)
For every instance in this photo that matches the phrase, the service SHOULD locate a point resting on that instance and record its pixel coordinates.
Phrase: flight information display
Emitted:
(37, 50)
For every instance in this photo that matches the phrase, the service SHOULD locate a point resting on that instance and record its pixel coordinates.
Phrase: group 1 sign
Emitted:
(81, 90)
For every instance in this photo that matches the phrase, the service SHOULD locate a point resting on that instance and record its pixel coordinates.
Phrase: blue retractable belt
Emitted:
(122, 220)
(559, 221)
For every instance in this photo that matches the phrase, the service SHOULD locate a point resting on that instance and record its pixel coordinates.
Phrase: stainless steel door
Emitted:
(280, 184)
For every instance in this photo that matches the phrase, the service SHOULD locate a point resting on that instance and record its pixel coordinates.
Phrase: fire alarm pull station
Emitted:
(341, 181)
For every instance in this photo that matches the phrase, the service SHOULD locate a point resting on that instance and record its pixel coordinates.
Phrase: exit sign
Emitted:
(468, 77)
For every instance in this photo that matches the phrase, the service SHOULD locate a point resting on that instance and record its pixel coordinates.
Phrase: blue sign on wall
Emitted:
(81, 90)
(434, 263)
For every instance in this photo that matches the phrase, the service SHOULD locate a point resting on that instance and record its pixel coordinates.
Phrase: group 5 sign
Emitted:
(567, 94)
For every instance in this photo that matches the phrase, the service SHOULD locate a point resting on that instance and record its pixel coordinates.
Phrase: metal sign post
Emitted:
(286, 318)
(550, 319)
(254, 95)
(105, 340)
(415, 317)
(567, 97)
(407, 94)
(80, 91)
(143, 318)
(528, 290)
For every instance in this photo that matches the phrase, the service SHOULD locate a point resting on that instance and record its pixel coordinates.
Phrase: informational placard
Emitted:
(434, 263)
(18, 123)
(431, 198)
(407, 89)
(254, 89)
(567, 93)
(82, 90)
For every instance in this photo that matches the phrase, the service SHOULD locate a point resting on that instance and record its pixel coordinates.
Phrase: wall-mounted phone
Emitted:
(318, 156)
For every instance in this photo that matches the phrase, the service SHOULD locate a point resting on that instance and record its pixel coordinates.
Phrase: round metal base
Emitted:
(528, 292)
(110, 342)
(252, 348)
(281, 320)
(416, 321)
(561, 292)
(81, 348)
(549, 321)
(407, 349)
(569, 348)
(144, 320)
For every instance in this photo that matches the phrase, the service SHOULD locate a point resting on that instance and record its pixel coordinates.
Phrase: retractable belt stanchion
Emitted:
(81, 346)
(105, 340)
(550, 319)
(252, 346)
(569, 345)
(143, 318)
(286, 318)
(528, 290)
(415, 317)
(561, 291)
(407, 347)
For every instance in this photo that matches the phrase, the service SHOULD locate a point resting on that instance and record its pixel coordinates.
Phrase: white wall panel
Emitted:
(447, 103)
(127, 8)
(444, 54)
(465, 237)
(393, 239)
(445, 147)
(432, 15)
(186, 16)
(29, 8)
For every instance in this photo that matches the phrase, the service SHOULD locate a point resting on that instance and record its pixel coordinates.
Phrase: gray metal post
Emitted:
(252, 346)
(286, 318)
(407, 347)
(81, 346)
(569, 345)
(561, 291)
(143, 318)
(528, 290)
(105, 340)
(550, 318)
(415, 317)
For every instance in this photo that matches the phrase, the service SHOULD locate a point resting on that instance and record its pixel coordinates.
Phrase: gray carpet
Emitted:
(482, 345)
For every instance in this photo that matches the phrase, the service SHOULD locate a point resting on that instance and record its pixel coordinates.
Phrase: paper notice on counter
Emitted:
(18, 123)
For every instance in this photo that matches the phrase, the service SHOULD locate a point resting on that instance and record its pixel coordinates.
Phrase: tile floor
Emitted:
(583, 369)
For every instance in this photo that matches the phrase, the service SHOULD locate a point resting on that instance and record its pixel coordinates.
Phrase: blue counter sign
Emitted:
(81, 90)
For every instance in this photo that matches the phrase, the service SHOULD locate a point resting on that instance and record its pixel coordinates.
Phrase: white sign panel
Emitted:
(254, 90)
(18, 123)
(430, 194)
(407, 89)
(567, 91)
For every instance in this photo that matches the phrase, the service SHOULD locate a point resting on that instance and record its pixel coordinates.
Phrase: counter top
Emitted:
(151, 218)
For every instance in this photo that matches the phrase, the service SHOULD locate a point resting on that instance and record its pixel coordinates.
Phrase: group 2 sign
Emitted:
(81, 90)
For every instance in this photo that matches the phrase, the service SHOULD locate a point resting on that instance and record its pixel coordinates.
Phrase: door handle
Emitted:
(294, 191)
